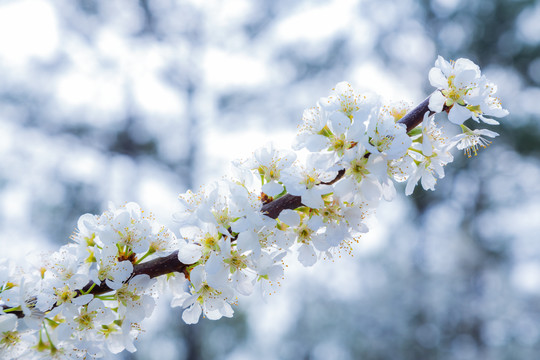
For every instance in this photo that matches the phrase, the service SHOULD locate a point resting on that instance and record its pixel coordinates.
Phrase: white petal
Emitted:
(312, 198)
(115, 285)
(95, 304)
(458, 114)
(248, 240)
(190, 253)
(83, 299)
(321, 242)
(427, 147)
(465, 78)
(179, 300)
(497, 111)
(444, 65)
(190, 232)
(340, 123)
(122, 271)
(272, 188)
(7, 322)
(315, 223)
(389, 190)
(371, 189)
(214, 264)
(413, 179)
(345, 187)
(306, 255)
(122, 220)
(197, 276)
(213, 314)
(437, 79)
(486, 132)
(462, 65)
(243, 283)
(489, 121)
(87, 222)
(263, 155)
(289, 217)
(45, 301)
(428, 181)
(192, 314)
(148, 304)
(227, 310)
(436, 102)
(316, 143)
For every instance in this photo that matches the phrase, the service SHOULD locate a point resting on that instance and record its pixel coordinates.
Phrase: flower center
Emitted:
(9, 338)
(64, 295)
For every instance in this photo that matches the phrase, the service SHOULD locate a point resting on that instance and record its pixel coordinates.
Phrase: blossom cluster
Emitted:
(89, 298)
(62, 315)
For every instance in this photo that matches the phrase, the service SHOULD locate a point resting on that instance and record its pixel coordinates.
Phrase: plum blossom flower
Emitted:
(127, 228)
(268, 164)
(12, 342)
(224, 205)
(269, 266)
(164, 240)
(204, 299)
(344, 99)
(362, 175)
(308, 182)
(133, 303)
(398, 109)
(65, 267)
(481, 102)
(308, 239)
(84, 321)
(204, 239)
(64, 276)
(312, 131)
(464, 91)
(86, 234)
(429, 157)
(471, 140)
(230, 267)
(386, 137)
(426, 169)
(110, 269)
(337, 124)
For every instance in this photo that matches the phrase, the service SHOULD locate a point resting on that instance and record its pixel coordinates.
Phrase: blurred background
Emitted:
(141, 100)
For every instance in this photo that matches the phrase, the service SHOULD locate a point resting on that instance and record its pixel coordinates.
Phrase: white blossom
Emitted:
(204, 299)
(134, 304)
(471, 140)
(428, 169)
(308, 182)
(12, 342)
(464, 91)
(386, 137)
(268, 164)
(85, 299)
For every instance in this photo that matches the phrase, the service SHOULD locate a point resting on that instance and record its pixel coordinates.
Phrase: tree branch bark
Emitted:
(414, 117)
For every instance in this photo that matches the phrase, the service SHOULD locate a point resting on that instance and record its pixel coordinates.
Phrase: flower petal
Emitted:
(289, 217)
(191, 315)
(436, 102)
(190, 253)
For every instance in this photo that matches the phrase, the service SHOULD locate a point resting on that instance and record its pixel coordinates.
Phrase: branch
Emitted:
(414, 117)
(170, 263)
